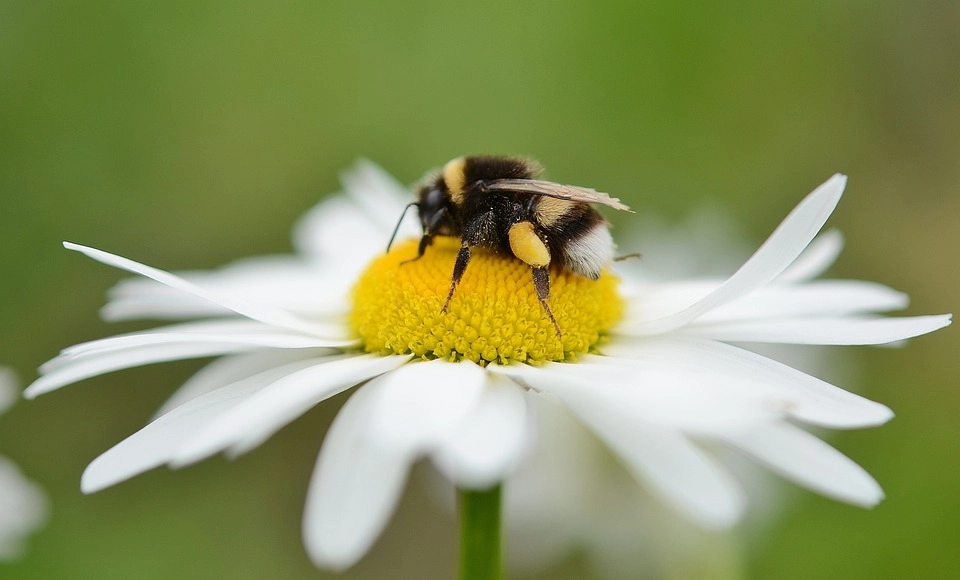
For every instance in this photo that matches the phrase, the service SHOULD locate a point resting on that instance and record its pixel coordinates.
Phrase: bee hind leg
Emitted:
(459, 267)
(541, 283)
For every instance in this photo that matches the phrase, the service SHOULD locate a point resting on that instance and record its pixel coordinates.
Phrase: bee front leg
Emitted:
(459, 267)
(541, 283)
(425, 241)
(427, 238)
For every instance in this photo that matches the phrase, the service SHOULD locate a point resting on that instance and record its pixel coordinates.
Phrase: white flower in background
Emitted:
(661, 389)
(23, 506)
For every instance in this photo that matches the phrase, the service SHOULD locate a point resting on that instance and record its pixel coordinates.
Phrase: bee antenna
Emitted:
(400, 221)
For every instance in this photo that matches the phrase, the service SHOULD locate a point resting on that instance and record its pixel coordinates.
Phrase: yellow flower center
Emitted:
(494, 315)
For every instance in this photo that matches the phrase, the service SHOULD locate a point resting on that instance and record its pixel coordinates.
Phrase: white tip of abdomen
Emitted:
(591, 252)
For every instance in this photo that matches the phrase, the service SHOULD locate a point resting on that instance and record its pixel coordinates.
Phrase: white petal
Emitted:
(772, 258)
(676, 396)
(189, 340)
(652, 301)
(563, 445)
(377, 193)
(422, 402)
(816, 259)
(355, 486)
(320, 234)
(230, 369)
(156, 443)
(777, 386)
(490, 442)
(175, 306)
(238, 331)
(808, 461)
(73, 371)
(366, 216)
(819, 298)
(834, 331)
(381, 430)
(655, 452)
(673, 467)
(256, 312)
(290, 283)
(252, 422)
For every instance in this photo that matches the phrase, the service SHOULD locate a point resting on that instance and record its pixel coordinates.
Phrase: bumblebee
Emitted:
(497, 203)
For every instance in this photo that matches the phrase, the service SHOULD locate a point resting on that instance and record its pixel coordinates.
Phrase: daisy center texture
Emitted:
(494, 316)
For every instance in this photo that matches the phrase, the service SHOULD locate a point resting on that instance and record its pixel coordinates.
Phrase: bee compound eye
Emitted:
(434, 199)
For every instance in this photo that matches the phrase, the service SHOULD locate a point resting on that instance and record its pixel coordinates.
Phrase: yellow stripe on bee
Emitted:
(455, 178)
(551, 209)
(527, 245)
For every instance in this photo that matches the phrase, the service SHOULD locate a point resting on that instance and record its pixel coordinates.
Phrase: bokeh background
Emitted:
(187, 134)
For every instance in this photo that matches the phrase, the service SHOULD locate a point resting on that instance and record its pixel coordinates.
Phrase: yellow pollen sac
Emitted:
(525, 245)
(494, 316)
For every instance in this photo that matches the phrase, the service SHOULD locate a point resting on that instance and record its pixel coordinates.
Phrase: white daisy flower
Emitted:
(23, 505)
(649, 368)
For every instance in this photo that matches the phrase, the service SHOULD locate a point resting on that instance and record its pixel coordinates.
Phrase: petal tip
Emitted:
(721, 520)
(869, 498)
(878, 414)
(326, 554)
(884, 415)
(838, 180)
(833, 188)
(31, 392)
(935, 322)
(89, 483)
(362, 168)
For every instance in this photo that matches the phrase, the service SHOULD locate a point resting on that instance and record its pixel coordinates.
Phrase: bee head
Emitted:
(437, 209)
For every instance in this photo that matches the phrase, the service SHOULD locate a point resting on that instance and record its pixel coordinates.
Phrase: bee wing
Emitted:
(550, 189)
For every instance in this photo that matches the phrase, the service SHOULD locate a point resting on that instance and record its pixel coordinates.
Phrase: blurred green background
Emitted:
(186, 134)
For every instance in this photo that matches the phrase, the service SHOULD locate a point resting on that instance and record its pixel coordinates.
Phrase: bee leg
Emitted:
(427, 238)
(459, 267)
(541, 283)
(425, 241)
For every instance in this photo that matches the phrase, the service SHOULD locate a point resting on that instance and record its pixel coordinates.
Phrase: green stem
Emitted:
(480, 534)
